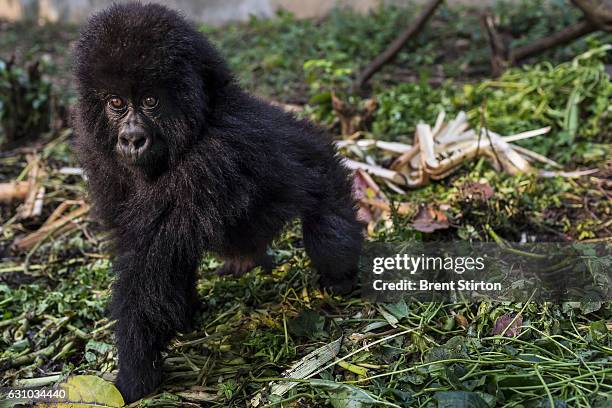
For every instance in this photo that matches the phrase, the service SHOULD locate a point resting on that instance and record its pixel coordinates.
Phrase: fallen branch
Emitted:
(500, 52)
(397, 44)
(55, 228)
(598, 12)
(565, 36)
(597, 16)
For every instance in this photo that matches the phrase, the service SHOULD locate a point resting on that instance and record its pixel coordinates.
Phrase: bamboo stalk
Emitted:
(526, 135)
(426, 142)
(402, 208)
(394, 147)
(378, 171)
(13, 191)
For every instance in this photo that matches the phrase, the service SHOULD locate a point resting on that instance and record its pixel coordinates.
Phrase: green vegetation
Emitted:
(53, 295)
(25, 101)
(269, 54)
(573, 98)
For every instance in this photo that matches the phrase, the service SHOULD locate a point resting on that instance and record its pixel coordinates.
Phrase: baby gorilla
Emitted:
(181, 161)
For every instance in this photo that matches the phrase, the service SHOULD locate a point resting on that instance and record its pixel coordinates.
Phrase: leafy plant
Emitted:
(25, 100)
(403, 106)
(572, 97)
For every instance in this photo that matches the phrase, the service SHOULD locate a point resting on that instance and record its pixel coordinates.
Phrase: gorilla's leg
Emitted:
(153, 297)
(239, 265)
(246, 243)
(333, 238)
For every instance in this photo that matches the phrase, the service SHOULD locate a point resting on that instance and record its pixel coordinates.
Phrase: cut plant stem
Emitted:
(378, 171)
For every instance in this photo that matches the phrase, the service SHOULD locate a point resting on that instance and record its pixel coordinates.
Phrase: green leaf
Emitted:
(100, 347)
(320, 98)
(307, 324)
(392, 320)
(590, 306)
(570, 119)
(459, 399)
(348, 396)
(400, 309)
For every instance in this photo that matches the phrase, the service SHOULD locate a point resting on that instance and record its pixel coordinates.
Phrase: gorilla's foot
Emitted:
(239, 266)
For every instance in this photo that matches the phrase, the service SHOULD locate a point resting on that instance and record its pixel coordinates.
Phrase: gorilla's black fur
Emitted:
(221, 171)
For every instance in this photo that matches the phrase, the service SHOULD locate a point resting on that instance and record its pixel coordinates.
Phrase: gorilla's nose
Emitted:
(133, 141)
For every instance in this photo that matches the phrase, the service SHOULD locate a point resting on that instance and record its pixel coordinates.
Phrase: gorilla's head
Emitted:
(147, 81)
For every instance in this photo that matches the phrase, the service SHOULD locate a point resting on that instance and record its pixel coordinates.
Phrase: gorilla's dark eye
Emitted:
(116, 102)
(149, 101)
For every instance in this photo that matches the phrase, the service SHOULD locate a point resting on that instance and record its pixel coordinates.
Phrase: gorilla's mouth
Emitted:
(149, 156)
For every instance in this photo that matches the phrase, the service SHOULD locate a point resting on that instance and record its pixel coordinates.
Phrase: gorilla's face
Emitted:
(145, 125)
(135, 123)
(147, 85)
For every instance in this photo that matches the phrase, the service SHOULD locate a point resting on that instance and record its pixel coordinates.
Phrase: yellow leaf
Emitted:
(88, 391)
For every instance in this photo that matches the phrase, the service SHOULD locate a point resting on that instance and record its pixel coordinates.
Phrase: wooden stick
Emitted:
(568, 34)
(32, 206)
(13, 191)
(500, 52)
(445, 174)
(515, 162)
(59, 210)
(457, 125)
(393, 147)
(438, 125)
(402, 160)
(371, 183)
(597, 12)
(397, 44)
(58, 227)
(535, 156)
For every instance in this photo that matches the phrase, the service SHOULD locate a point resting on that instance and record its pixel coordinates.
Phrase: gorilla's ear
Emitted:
(215, 73)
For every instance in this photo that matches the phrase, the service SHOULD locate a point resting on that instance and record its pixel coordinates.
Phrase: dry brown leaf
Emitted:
(461, 321)
(361, 190)
(476, 191)
(507, 325)
(429, 219)
(353, 118)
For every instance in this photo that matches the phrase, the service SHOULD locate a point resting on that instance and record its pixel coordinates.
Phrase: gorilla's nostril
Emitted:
(139, 142)
(124, 141)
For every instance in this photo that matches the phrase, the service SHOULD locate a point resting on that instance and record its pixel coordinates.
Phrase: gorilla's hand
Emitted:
(136, 381)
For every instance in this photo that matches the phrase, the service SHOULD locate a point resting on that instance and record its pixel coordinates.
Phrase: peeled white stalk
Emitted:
(426, 143)
(378, 171)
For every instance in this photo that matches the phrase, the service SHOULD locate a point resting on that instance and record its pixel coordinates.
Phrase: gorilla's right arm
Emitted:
(154, 294)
